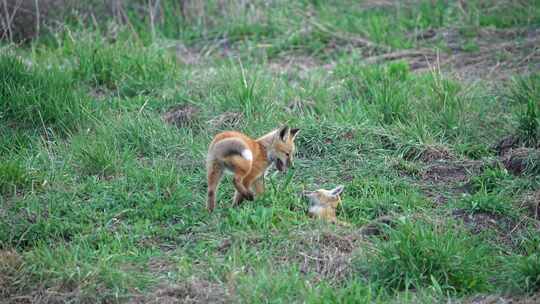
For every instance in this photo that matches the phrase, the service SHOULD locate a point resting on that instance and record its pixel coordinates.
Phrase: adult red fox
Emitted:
(247, 159)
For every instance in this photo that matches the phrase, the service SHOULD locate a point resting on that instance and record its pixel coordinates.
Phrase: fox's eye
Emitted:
(287, 154)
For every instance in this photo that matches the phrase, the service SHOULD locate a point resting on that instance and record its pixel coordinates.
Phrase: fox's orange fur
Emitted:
(324, 204)
(247, 159)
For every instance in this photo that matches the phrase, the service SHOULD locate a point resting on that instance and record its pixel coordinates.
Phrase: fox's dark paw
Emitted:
(249, 196)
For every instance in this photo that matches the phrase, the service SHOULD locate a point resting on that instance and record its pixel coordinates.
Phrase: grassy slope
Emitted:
(102, 201)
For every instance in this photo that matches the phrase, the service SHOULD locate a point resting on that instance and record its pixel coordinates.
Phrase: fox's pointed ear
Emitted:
(294, 132)
(283, 133)
(338, 190)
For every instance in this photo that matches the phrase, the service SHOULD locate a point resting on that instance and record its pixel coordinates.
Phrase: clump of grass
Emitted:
(380, 90)
(39, 98)
(526, 272)
(114, 143)
(529, 124)
(145, 135)
(97, 156)
(369, 198)
(123, 66)
(13, 176)
(90, 274)
(490, 180)
(522, 271)
(488, 203)
(417, 255)
(524, 92)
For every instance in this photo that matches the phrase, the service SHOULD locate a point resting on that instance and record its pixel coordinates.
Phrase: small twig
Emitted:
(517, 225)
(38, 28)
(398, 55)
(142, 107)
(354, 39)
(310, 257)
(152, 10)
(7, 25)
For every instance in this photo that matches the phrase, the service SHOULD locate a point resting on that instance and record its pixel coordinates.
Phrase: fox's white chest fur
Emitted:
(316, 209)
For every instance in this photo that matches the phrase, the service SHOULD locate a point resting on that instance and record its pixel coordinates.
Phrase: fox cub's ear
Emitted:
(283, 133)
(338, 190)
(294, 132)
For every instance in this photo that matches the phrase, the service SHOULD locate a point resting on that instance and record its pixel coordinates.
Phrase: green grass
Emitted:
(102, 201)
(40, 98)
(419, 255)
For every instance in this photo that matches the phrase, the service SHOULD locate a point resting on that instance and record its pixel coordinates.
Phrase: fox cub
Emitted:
(247, 159)
(324, 204)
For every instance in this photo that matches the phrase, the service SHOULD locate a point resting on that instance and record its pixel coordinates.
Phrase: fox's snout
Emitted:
(280, 166)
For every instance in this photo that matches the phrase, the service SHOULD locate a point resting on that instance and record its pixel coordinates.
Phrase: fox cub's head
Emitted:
(282, 148)
(326, 198)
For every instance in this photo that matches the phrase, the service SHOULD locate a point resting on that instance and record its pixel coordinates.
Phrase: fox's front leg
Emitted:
(258, 184)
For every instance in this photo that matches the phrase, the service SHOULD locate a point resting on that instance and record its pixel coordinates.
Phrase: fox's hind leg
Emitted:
(241, 167)
(215, 172)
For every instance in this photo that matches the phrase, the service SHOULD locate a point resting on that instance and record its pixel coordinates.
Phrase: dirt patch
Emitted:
(499, 54)
(430, 154)
(297, 66)
(450, 171)
(160, 265)
(377, 226)
(182, 115)
(300, 106)
(187, 55)
(522, 160)
(10, 269)
(499, 299)
(17, 288)
(493, 54)
(481, 221)
(192, 292)
(506, 144)
(327, 254)
(229, 120)
(531, 203)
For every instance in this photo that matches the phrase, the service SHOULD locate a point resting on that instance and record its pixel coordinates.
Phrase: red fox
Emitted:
(247, 159)
(324, 204)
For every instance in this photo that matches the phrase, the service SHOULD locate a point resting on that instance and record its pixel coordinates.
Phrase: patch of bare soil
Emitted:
(189, 292)
(441, 180)
(499, 299)
(430, 154)
(15, 287)
(298, 66)
(10, 267)
(300, 106)
(531, 203)
(378, 225)
(181, 116)
(160, 265)
(506, 229)
(187, 55)
(506, 144)
(498, 56)
(495, 54)
(229, 120)
(445, 172)
(325, 253)
(521, 160)
(481, 221)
